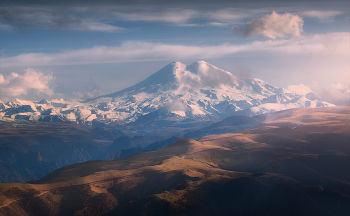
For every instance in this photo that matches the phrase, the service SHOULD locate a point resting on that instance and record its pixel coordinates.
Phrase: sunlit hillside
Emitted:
(288, 165)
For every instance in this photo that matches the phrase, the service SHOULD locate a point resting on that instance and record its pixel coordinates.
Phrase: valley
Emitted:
(174, 108)
(292, 163)
(179, 100)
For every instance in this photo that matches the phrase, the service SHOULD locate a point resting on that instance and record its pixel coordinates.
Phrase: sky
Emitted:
(82, 49)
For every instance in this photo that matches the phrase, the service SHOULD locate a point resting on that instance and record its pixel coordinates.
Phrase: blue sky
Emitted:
(81, 49)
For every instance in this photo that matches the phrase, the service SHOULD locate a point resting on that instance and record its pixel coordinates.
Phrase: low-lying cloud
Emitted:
(16, 84)
(338, 94)
(176, 105)
(272, 26)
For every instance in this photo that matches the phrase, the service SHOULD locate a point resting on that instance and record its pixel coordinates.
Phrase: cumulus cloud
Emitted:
(322, 44)
(323, 16)
(338, 94)
(272, 26)
(15, 84)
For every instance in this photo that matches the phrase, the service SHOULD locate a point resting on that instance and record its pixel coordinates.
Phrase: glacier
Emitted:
(179, 92)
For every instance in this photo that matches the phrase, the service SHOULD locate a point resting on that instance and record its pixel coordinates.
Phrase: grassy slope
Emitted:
(294, 163)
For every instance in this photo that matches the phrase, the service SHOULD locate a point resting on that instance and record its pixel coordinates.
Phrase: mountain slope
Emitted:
(232, 124)
(30, 150)
(293, 163)
(19, 165)
(176, 93)
(198, 91)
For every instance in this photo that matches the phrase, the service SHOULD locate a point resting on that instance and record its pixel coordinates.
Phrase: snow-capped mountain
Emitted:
(199, 91)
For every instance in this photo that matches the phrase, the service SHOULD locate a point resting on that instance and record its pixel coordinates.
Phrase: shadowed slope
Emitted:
(31, 150)
(293, 163)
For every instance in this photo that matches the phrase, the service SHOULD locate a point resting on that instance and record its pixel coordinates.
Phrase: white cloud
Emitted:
(217, 24)
(340, 86)
(299, 89)
(182, 16)
(338, 94)
(176, 16)
(323, 44)
(272, 26)
(98, 26)
(323, 16)
(5, 26)
(228, 15)
(15, 84)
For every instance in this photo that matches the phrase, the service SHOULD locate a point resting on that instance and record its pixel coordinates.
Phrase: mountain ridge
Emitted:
(199, 92)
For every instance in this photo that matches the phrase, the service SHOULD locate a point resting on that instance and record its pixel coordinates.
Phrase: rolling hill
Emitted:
(294, 162)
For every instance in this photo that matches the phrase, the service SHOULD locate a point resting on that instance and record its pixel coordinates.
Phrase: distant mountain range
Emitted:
(176, 93)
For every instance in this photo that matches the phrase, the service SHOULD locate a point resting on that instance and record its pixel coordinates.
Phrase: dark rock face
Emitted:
(19, 165)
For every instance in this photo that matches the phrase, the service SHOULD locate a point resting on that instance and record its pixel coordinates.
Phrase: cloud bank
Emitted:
(322, 44)
(338, 94)
(15, 84)
(272, 26)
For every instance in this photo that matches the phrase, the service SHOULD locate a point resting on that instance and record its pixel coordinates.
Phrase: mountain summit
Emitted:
(181, 77)
(199, 91)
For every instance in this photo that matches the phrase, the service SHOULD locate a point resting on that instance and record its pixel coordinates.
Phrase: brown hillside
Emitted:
(296, 162)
